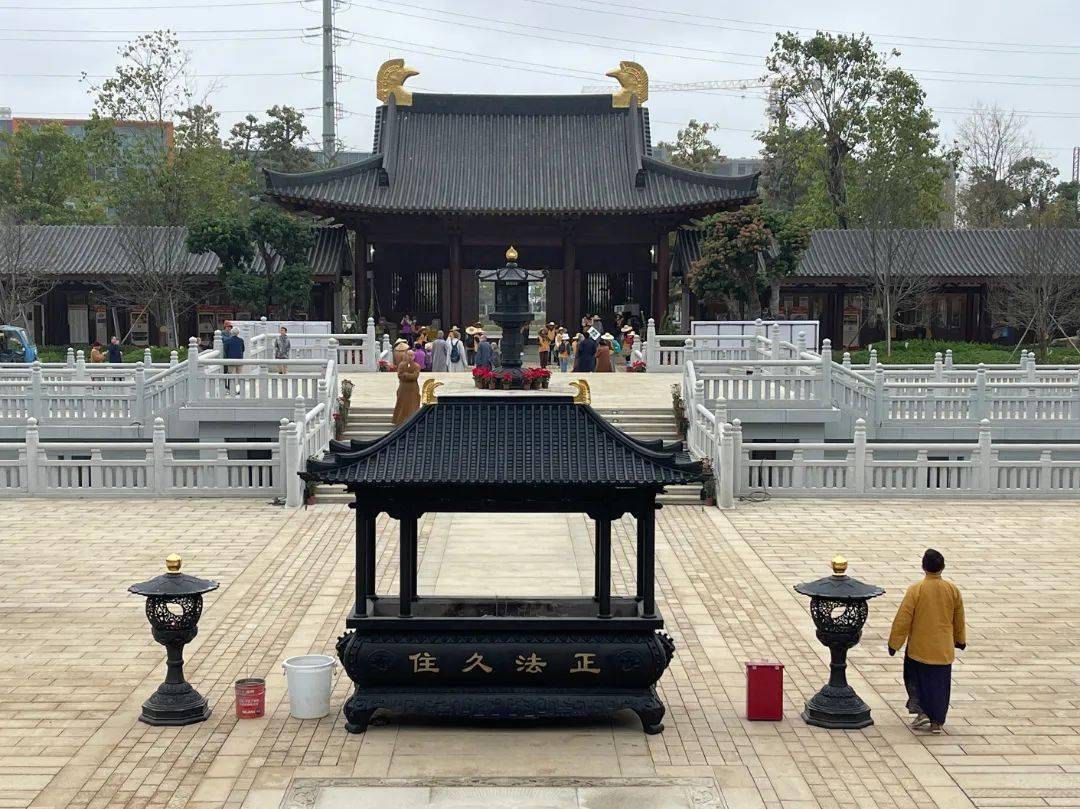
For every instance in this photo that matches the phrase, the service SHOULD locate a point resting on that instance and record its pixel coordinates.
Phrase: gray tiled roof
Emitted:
(525, 442)
(98, 250)
(937, 253)
(510, 155)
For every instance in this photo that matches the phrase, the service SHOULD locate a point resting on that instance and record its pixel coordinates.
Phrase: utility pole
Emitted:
(329, 128)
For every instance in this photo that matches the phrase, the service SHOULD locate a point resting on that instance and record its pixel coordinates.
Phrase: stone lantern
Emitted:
(511, 307)
(838, 605)
(173, 607)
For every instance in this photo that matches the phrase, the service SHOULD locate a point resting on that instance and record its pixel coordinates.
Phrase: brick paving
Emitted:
(77, 659)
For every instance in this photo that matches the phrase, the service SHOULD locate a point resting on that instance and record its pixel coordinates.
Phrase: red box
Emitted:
(764, 690)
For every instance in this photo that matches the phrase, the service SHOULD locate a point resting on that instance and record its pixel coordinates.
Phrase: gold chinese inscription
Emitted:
(584, 663)
(424, 662)
(533, 664)
(476, 661)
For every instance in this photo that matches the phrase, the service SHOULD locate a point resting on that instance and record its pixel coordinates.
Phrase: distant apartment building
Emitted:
(127, 131)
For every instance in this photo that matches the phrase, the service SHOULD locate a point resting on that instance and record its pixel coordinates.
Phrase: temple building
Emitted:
(453, 179)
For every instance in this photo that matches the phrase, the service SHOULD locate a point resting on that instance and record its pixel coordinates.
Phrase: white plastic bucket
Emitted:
(310, 679)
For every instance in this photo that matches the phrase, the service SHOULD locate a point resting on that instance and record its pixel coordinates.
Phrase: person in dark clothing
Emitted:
(233, 349)
(115, 353)
(587, 354)
(485, 355)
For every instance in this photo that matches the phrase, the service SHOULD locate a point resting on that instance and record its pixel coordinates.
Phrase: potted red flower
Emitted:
(384, 366)
(480, 376)
(545, 377)
(637, 367)
(506, 379)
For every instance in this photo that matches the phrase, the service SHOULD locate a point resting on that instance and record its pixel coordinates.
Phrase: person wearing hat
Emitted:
(470, 342)
(563, 349)
(455, 352)
(628, 338)
(603, 354)
(400, 347)
(544, 339)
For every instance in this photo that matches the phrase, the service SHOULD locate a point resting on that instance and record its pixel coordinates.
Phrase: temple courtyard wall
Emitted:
(77, 659)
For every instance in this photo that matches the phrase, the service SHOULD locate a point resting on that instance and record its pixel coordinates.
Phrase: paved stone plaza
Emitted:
(77, 660)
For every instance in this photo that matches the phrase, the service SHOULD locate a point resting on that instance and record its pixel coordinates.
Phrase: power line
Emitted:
(169, 6)
(1056, 81)
(139, 31)
(699, 21)
(534, 37)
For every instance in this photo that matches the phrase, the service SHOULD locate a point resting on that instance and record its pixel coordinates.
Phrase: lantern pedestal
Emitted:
(175, 702)
(838, 606)
(837, 705)
(173, 607)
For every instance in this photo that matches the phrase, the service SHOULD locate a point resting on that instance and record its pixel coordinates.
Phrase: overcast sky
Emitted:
(1024, 56)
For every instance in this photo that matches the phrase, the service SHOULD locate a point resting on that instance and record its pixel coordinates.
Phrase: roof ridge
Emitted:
(285, 178)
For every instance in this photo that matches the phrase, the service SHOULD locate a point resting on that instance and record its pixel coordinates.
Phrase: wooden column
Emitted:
(639, 577)
(663, 279)
(603, 567)
(647, 565)
(571, 287)
(454, 310)
(365, 559)
(361, 292)
(406, 562)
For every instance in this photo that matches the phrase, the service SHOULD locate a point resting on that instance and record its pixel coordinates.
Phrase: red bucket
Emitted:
(250, 698)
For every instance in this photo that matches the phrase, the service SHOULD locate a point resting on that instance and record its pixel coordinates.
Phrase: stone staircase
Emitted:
(645, 423)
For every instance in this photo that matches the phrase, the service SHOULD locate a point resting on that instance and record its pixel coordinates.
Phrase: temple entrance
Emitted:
(604, 291)
(417, 292)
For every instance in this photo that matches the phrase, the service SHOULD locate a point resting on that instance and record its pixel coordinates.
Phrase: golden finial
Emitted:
(634, 81)
(427, 395)
(511, 254)
(583, 395)
(839, 565)
(172, 563)
(391, 80)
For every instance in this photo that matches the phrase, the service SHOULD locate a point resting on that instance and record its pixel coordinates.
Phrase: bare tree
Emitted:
(25, 272)
(155, 272)
(992, 139)
(896, 282)
(991, 142)
(1043, 296)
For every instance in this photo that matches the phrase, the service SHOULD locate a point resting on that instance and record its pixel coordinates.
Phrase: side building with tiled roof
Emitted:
(83, 267)
(832, 282)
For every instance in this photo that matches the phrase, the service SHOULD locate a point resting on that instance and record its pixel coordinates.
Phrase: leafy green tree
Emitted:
(744, 254)
(45, 178)
(692, 148)
(152, 178)
(836, 98)
(279, 240)
(1034, 185)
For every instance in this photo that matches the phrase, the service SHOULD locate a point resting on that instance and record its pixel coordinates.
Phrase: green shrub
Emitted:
(131, 354)
(922, 351)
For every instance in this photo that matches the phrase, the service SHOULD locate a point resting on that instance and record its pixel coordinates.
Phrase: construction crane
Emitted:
(658, 86)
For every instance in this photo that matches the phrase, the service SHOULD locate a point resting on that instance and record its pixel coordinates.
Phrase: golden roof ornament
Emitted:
(172, 563)
(839, 565)
(634, 81)
(583, 395)
(390, 80)
(427, 395)
(511, 254)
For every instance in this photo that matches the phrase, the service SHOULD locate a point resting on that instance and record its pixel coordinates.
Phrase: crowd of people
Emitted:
(591, 349)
